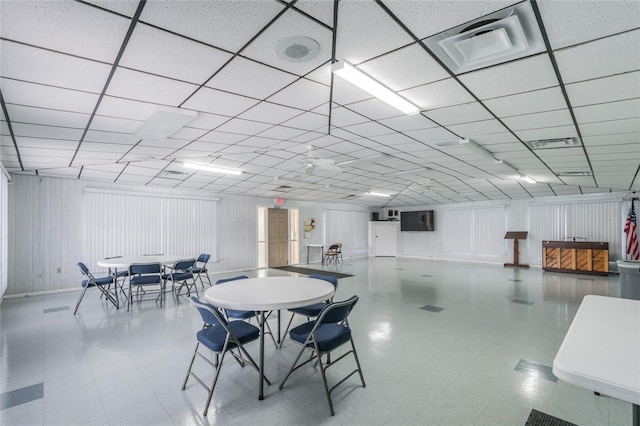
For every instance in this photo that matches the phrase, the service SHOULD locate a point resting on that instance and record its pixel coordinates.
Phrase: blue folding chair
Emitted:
(220, 336)
(310, 311)
(182, 272)
(103, 284)
(200, 269)
(141, 277)
(328, 332)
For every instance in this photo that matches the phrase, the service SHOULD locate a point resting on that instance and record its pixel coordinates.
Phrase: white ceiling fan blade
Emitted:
(310, 169)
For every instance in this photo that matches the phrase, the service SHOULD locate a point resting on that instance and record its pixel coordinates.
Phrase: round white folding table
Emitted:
(268, 294)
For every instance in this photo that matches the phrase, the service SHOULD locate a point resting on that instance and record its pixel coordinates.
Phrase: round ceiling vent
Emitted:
(297, 49)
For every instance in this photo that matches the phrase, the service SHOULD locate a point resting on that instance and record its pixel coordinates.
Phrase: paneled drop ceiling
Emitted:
(80, 78)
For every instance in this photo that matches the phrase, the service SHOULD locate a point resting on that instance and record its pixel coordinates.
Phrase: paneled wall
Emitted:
(475, 232)
(55, 223)
(4, 229)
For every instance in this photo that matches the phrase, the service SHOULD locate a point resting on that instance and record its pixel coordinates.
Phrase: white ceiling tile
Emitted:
(104, 147)
(527, 103)
(608, 140)
(308, 121)
(207, 121)
(22, 114)
(125, 108)
(408, 122)
(123, 7)
(25, 63)
(470, 130)
(150, 88)
(417, 66)
(567, 24)
(368, 129)
(270, 113)
(110, 124)
(539, 120)
(67, 172)
(215, 23)
(217, 102)
(440, 94)
(239, 76)
(291, 24)
(375, 109)
(243, 127)
(56, 25)
(459, 114)
(519, 76)
(51, 132)
(345, 93)
(366, 31)
(47, 97)
(611, 127)
(110, 137)
(281, 133)
(159, 52)
(222, 137)
(615, 88)
(432, 135)
(609, 111)
(303, 94)
(320, 10)
(616, 55)
(442, 15)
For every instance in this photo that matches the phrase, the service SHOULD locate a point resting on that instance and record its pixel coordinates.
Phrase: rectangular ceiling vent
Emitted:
(502, 36)
(573, 174)
(553, 143)
(174, 174)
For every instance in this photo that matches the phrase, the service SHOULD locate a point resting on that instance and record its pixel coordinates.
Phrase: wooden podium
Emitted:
(515, 236)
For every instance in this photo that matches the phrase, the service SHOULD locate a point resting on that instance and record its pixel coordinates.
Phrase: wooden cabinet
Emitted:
(576, 256)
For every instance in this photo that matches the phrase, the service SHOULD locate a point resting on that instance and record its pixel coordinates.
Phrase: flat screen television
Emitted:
(417, 221)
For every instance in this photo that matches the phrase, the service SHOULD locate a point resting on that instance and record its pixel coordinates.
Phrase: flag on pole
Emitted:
(630, 228)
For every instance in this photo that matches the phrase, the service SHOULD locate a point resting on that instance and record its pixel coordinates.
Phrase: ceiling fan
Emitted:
(314, 163)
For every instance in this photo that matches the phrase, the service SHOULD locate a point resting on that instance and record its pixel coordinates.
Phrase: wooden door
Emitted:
(278, 237)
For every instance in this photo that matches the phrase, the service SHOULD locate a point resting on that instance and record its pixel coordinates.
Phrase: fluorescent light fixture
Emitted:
(164, 122)
(527, 179)
(477, 148)
(368, 84)
(211, 169)
(378, 194)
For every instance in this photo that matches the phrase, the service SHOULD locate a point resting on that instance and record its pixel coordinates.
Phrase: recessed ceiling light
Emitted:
(574, 174)
(297, 49)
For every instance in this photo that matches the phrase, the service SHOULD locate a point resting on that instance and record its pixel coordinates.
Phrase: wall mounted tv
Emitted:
(417, 221)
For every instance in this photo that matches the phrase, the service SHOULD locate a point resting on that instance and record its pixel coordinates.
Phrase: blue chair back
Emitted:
(184, 265)
(209, 313)
(145, 268)
(337, 311)
(83, 268)
(333, 280)
(224, 280)
(203, 258)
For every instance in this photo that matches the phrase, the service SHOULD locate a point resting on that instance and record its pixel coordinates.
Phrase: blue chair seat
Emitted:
(329, 336)
(214, 337)
(310, 310)
(145, 279)
(180, 276)
(98, 281)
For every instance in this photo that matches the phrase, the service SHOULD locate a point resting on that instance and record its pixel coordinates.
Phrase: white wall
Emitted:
(4, 230)
(475, 231)
(55, 223)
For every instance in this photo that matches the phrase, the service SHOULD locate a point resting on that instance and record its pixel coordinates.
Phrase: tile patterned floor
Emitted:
(484, 359)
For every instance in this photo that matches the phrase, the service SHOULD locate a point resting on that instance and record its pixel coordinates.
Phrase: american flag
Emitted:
(630, 228)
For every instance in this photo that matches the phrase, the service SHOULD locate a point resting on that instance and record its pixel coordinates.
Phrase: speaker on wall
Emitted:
(375, 216)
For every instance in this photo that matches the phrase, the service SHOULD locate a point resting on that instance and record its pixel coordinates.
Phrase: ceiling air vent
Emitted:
(174, 174)
(553, 143)
(283, 188)
(502, 36)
